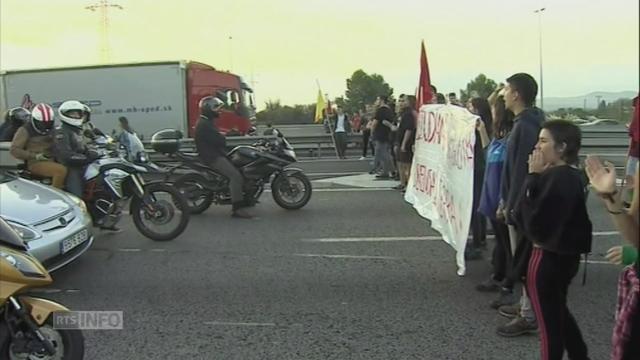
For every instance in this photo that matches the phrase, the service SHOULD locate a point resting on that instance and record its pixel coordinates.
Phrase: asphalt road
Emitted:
(268, 288)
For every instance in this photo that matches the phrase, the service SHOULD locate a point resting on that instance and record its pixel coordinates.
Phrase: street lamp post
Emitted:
(539, 12)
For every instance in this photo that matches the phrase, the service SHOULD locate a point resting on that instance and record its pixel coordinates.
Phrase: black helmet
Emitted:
(18, 116)
(210, 107)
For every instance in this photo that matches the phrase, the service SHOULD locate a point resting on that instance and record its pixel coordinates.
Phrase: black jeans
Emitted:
(366, 134)
(501, 258)
(548, 279)
(341, 143)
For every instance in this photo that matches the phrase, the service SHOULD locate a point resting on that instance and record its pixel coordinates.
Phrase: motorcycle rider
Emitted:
(13, 120)
(71, 148)
(33, 143)
(211, 146)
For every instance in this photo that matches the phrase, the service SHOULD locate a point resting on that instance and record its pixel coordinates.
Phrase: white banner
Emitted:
(441, 183)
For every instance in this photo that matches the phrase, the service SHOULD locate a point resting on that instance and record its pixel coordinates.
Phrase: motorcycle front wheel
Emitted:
(69, 345)
(291, 191)
(164, 214)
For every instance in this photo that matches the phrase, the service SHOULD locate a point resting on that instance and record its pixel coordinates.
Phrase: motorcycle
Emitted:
(27, 328)
(265, 162)
(111, 181)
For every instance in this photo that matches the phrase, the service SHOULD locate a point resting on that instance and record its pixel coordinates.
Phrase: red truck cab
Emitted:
(203, 80)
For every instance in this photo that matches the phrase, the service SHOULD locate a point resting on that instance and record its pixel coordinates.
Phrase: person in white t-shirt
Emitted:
(342, 128)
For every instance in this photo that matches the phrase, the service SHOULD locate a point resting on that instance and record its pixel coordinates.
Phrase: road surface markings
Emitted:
(410, 238)
(225, 323)
(330, 256)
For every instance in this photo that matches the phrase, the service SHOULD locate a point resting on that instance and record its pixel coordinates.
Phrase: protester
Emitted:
(480, 107)
(381, 129)
(453, 99)
(552, 213)
(626, 331)
(356, 122)
(490, 198)
(342, 128)
(519, 96)
(366, 122)
(634, 148)
(405, 139)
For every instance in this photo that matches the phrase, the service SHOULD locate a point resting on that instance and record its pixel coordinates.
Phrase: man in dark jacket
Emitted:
(211, 146)
(70, 146)
(519, 96)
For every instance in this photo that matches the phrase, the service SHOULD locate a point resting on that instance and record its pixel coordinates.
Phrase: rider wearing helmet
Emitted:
(71, 148)
(33, 143)
(211, 146)
(13, 120)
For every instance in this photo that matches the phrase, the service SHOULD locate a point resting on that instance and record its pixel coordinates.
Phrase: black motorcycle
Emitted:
(264, 162)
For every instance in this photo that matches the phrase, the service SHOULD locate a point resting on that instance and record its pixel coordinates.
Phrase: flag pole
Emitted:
(333, 133)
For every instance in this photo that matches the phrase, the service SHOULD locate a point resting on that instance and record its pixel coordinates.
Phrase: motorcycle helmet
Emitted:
(72, 113)
(42, 118)
(210, 107)
(87, 113)
(18, 116)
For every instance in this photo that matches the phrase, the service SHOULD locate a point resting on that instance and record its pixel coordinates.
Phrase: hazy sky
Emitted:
(285, 45)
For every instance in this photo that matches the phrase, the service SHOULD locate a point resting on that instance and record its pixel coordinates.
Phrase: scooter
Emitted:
(27, 328)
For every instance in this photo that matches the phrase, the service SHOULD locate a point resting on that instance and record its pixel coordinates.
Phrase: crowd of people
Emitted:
(532, 189)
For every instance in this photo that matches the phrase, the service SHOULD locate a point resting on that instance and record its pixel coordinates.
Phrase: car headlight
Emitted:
(78, 202)
(23, 263)
(24, 232)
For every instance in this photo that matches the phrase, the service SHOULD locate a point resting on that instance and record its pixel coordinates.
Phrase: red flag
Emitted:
(425, 93)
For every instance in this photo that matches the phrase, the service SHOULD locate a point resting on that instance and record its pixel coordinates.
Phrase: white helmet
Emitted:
(72, 113)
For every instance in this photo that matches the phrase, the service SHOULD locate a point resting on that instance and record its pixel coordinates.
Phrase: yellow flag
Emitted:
(320, 105)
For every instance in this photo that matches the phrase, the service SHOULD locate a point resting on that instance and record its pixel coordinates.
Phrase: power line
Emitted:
(103, 6)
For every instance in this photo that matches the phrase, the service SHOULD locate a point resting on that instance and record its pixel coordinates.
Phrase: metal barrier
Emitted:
(593, 140)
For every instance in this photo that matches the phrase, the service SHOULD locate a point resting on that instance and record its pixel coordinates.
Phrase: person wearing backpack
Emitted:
(490, 197)
(552, 213)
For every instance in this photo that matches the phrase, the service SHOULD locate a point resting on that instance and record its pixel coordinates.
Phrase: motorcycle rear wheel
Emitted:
(192, 187)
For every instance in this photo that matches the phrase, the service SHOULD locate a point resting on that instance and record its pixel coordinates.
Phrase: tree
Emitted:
(363, 89)
(480, 86)
(276, 113)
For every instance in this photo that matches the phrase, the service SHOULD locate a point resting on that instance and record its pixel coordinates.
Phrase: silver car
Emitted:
(54, 224)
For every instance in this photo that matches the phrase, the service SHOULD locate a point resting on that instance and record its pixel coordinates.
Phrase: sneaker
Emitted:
(489, 285)
(517, 327)
(362, 158)
(506, 298)
(509, 311)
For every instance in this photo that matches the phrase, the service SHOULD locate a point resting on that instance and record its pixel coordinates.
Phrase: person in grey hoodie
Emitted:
(519, 96)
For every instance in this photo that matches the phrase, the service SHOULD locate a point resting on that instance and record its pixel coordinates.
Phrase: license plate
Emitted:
(73, 241)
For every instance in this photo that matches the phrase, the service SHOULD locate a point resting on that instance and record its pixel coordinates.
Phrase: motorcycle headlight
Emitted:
(291, 154)
(27, 234)
(22, 263)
